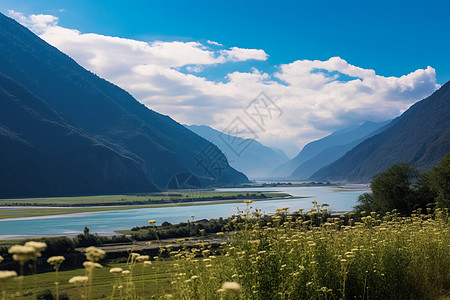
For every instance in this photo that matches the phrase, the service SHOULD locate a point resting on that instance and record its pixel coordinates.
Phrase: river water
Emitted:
(105, 222)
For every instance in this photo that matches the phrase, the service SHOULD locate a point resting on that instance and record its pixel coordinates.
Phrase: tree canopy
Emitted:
(404, 188)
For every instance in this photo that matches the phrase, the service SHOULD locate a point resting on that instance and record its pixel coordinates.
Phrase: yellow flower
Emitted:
(220, 233)
(231, 287)
(152, 222)
(116, 270)
(94, 254)
(5, 275)
(79, 280)
(143, 258)
(91, 265)
(248, 201)
(56, 261)
(38, 247)
(22, 254)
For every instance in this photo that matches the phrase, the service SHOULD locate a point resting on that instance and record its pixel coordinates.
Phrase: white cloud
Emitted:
(213, 43)
(241, 54)
(316, 97)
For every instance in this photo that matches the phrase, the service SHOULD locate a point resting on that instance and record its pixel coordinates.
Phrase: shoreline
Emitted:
(64, 212)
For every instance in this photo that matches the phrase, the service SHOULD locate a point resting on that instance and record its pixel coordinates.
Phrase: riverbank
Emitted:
(21, 209)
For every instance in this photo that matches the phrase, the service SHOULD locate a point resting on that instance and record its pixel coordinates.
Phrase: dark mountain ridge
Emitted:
(43, 155)
(162, 147)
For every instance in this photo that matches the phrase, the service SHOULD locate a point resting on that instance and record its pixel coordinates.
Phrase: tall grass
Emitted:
(304, 256)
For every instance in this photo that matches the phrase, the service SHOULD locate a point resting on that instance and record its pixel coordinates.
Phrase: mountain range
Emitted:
(324, 151)
(140, 143)
(420, 136)
(256, 160)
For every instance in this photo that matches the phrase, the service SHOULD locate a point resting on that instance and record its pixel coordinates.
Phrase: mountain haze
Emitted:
(332, 153)
(256, 161)
(321, 152)
(420, 136)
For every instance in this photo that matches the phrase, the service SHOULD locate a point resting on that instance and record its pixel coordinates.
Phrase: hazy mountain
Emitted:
(162, 147)
(420, 136)
(322, 152)
(331, 154)
(256, 161)
(41, 155)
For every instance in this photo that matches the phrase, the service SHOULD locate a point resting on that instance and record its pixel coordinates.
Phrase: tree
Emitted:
(393, 189)
(400, 187)
(439, 181)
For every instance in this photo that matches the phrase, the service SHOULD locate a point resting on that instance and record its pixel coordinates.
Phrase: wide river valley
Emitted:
(105, 222)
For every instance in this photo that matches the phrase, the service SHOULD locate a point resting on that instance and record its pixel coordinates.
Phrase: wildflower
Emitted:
(5, 275)
(94, 254)
(116, 270)
(231, 287)
(79, 280)
(56, 261)
(22, 254)
(220, 233)
(91, 265)
(38, 247)
(248, 201)
(135, 255)
(152, 222)
(148, 243)
(142, 258)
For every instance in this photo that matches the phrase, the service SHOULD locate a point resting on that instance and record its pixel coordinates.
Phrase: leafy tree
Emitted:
(400, 187)
(392, 189)
(439, 181)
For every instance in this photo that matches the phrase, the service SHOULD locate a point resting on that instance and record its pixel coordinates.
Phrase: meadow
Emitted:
(285, 255)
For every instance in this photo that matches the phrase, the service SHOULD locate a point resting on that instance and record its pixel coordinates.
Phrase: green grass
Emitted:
(296, 256)
(151, 280)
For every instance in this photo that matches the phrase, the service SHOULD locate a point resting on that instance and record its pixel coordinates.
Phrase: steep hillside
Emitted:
(420, 136)
(41, 155)
(162, 147)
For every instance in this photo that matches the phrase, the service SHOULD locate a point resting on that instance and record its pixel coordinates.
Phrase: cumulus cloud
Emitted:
(315, 97)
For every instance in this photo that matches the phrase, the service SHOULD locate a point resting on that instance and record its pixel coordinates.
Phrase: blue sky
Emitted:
(392, 38)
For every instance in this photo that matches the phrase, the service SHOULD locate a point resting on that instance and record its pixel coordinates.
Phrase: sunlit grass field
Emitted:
(283, 256)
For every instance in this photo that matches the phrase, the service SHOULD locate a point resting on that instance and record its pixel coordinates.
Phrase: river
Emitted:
(105, 222)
